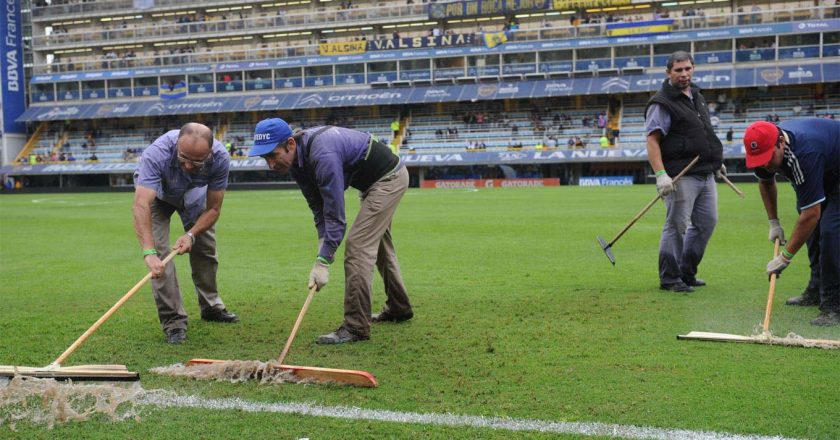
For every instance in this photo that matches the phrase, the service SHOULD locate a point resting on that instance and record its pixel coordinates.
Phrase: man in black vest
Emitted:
(678, 129)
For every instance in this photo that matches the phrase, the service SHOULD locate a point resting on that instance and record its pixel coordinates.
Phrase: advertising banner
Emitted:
(11, 64)
(490, 183)
(606, 181)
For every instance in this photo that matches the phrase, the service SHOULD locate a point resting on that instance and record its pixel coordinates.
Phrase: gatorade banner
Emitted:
(490, 183)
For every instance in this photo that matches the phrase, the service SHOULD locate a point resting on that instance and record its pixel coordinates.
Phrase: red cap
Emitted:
(759, 141)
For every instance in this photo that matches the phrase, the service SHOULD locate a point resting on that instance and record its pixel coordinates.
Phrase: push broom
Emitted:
(317, 374)
(765, 337)
(85, 372)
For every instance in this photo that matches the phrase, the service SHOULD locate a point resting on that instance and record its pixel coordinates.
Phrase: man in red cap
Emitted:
(807, 152)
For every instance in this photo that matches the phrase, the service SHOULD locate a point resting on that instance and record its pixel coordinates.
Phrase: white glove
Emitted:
(776, 231)
(721, 172)
(664, 184)
(777, 265)
(319, 276)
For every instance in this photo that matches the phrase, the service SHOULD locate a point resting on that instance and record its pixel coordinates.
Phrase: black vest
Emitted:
(691, 132)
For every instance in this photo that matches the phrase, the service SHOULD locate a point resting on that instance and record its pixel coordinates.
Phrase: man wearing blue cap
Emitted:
(324, 162)
(186, 171)
(807, 152)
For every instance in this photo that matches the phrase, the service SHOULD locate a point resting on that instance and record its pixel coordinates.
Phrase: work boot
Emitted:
(694, 282)
(176, 336)
(340, 336)
(809, 297)
(678, 287)
(827, 319)
(218, 315)
(387, 316)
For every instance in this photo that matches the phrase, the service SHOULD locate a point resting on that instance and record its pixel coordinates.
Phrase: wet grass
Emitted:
(518, 313)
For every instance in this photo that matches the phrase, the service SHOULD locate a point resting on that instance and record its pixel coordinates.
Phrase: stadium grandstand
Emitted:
(540, 89)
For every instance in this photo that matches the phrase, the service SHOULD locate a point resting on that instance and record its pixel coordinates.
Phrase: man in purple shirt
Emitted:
(186, 171)
(324, 162)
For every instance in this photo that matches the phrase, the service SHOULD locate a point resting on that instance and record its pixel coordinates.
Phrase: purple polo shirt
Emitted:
(160, 170)
(324, 173)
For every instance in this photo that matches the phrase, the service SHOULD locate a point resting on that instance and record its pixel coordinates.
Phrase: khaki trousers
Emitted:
(203, 262)
(368, 243)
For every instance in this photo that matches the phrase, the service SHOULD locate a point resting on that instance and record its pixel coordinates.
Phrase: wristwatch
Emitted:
(192, 237)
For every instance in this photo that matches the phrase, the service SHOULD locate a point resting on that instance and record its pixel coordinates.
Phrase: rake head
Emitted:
(607, 248)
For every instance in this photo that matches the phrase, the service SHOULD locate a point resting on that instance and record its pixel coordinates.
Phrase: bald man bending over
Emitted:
(186, 171)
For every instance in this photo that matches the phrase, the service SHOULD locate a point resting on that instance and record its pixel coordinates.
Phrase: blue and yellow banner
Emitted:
(483, 7)
(494, 39)
(564, 5)
(173, 91)
(342, 48)
(639, 28)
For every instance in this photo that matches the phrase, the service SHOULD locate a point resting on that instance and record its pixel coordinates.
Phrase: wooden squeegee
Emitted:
(77, 372)
(760, 339)
(85, 372)
(318, 374)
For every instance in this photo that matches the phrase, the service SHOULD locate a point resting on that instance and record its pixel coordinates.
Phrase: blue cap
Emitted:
(268, 134)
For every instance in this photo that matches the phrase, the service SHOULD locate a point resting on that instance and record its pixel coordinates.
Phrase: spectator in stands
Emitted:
(93, 157)
(195, 189)
(797, 109)
(729, 135)
(70, 157)
(321, 160)
(807, 152)
(604, 141)
(675, 135)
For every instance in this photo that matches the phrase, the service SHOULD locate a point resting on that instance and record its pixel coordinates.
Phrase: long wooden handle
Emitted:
(652, 202)
(297, 325)
(732, 185)
(108, 314)
(771, 292)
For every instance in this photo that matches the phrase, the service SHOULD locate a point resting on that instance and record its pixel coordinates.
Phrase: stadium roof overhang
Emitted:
(707, 79)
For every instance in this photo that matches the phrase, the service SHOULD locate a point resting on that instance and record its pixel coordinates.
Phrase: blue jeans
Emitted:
(690, 219)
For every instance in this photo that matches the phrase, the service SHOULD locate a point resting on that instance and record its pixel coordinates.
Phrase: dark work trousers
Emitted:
(203, 262)
(830, 252)
(813, 244)
(690, 219)
(369, 243)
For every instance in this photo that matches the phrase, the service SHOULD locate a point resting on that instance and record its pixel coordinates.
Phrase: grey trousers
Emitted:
(369, 243)
(690, 219)
(203, 262)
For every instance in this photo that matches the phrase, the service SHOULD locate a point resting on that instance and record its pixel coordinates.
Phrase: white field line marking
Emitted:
(165, 399)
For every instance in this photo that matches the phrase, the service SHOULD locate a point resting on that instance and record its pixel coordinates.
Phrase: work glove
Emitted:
(664, 185)
(319, 276)
(720, 173)
(777, 265)
(776, 231)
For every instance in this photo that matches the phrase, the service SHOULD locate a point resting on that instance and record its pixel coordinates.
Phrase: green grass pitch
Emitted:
(518, 314)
